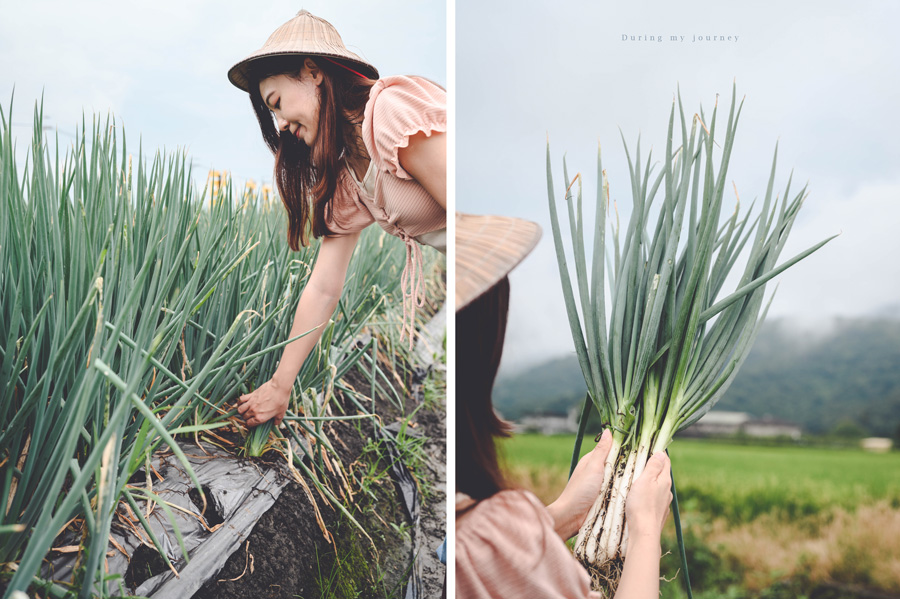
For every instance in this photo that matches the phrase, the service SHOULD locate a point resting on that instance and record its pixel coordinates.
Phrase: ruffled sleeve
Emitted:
(506, 547)
(348, 213)
(398, 108)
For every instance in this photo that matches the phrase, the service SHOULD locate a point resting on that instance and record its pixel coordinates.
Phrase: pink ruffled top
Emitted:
(506, 547)
(398, 108)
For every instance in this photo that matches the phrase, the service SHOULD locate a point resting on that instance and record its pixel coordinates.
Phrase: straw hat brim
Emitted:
(239, 74)
(303, 35)
(487, 249)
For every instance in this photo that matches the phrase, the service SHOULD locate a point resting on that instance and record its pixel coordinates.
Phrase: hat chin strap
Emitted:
(340, 64)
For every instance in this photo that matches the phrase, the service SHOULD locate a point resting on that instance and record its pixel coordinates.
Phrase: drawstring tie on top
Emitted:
(412, 286)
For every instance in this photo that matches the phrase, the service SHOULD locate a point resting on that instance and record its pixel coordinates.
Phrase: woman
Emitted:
(350, 150)
(507, 543)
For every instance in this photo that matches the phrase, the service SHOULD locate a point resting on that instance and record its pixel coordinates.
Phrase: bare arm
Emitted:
(640, 576)
(646, 510)
(316, 305)
(425, 159)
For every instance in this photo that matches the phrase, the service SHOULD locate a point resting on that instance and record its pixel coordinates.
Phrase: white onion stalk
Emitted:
(668, 349)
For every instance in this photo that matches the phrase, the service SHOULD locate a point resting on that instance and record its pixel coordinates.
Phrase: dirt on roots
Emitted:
(605, 577)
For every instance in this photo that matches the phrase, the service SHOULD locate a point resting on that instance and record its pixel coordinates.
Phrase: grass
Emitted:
(354, 567)
(350, 571)
(760, 519)
(722, 473)
(373, 466)
(796, 481)
(434, 389)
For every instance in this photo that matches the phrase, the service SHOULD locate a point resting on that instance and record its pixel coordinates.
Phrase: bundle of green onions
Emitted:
(670, 346)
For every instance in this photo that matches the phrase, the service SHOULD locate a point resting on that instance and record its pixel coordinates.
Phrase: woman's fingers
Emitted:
(664, 484)
(596, 458)
(656, 465)
(664, 479)
(243, 407)
(248, 409)
(666, 472)
(605, 444)
(252, 417)
(262, 404)
(648, 501)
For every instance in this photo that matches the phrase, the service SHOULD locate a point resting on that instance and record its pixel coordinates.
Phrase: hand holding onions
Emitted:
(647, 506)
(507, 543)
(571, 508)
(270, 403)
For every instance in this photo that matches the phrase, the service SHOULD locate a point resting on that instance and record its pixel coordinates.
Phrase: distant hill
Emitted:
(551, 387)
(845, 375)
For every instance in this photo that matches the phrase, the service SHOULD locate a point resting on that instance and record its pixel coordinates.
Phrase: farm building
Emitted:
(548, 424)
(722, 424)
(876, 444)
(771, 427)
(717, 423)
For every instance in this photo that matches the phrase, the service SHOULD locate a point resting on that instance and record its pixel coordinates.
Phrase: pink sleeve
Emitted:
(506, 547)
(348, 214)
(398, 108)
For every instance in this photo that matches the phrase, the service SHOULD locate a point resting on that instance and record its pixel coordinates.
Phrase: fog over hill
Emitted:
(844, 371)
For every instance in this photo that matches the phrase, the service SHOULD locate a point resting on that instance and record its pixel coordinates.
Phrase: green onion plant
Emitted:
(135, 310)
(657, 339)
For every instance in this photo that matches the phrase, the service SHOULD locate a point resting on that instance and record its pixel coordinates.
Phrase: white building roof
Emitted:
(721, 417)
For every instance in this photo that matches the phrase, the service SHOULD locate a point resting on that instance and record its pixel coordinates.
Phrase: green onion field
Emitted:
(136, 308)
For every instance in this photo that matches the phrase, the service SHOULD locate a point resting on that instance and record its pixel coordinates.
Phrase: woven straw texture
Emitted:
(487, 249)
(305, 35)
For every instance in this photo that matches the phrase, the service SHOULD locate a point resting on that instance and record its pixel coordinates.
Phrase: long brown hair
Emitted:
(480, 329)
(308, 177)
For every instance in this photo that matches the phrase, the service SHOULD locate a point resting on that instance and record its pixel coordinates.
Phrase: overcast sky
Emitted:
(161, 66)
(819, 77)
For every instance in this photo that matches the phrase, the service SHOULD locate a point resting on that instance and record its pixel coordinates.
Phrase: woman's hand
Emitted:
(269, 400)
(646, 510)
(647, 506)
(573, 505)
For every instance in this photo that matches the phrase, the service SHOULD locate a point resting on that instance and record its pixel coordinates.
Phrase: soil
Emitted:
(145, 563)
(210, 514)
(287, 554)
(286, 549)
(433, 515)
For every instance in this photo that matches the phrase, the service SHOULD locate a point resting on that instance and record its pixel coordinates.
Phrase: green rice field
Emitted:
(738, 482)
(760, 521)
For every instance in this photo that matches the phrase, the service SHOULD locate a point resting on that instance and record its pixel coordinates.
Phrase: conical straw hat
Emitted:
(304, 35)
(487, 249)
